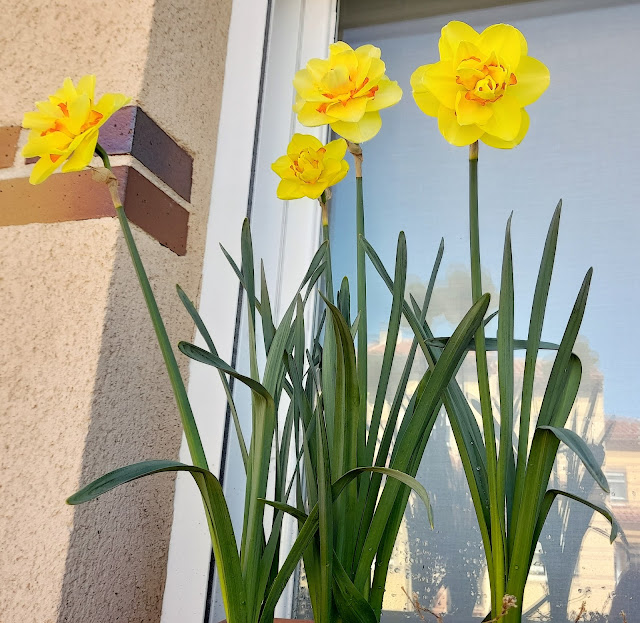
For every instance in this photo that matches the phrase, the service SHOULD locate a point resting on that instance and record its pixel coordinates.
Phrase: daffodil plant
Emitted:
(350, 484)
(317, 382)
(478, 91)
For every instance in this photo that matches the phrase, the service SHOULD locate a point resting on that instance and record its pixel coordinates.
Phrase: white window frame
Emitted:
(267, 41)
(285, 33)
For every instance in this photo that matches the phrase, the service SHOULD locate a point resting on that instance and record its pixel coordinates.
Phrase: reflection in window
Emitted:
(414, 181)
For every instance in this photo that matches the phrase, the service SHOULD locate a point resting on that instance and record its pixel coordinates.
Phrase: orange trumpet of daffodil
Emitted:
(345, 91)
(64, 129)
(310, 167)
(480, 86)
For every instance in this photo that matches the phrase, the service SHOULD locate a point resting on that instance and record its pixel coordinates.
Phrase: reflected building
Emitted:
(574, 561)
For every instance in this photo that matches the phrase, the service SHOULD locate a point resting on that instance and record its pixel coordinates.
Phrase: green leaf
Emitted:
(203, 356)
(551, 395)
(548, 500)
(491, 344)
(538, 310)
(421, 420)
(352, 606)
(222, 536)
(505, 371)
(393, 328)
(582, 450)
(268, 328)
(193, 312)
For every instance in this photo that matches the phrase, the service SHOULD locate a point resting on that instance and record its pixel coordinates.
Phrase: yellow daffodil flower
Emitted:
(346, 91)
(310, 167)
(480, 86)
(64, 129)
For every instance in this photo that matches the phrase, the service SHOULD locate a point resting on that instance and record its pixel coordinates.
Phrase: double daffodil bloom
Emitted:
(310, 167)
(345, 91)
(480, 86)
(64, 129)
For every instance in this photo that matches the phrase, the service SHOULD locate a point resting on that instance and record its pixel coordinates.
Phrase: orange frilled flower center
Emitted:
(486, 81)
(346, 91)
(60, 125)
(308, 166)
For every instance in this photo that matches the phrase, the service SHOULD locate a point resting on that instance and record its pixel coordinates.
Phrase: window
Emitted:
(618, 486)
(415, 181)
(583, 146)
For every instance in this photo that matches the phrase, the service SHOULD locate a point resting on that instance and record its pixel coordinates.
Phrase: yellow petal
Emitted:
(361, 131)
(67, 92)
(87, 86)
(288, 189)
(313, 191)
(388, 94)
(493, 141)
(300, 142)
(317, 68)
(351, 111)
(505, 41)
(37, 121)
(306, 87)
(452, 34)
(110, 103)
(505, 121)
(336, 80)
(440, 79)
(43, 169)
(49, 109)
(308, 114)
(339, 176)
(83, 152)
(282, 166)
(470, 112)
(533, 80)
(466, 50)
(372, 69)
(368, 50)
(78, 113)
(455, 133)
(336, 150)
(427, 102)
(54, 143)
(338, 48)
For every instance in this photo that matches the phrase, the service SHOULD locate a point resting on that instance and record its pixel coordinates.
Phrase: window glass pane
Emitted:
(583, 147)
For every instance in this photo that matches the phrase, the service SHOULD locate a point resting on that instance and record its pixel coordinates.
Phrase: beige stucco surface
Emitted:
(82, 385)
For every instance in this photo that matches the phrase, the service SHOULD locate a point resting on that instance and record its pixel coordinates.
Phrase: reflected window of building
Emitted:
(618, 486)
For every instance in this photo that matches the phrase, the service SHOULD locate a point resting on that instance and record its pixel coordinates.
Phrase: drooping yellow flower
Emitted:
(64, 129)
(480, 86)
(346, 91)
(310, 167)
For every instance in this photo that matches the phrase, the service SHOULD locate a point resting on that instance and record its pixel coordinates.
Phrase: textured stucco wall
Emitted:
(82, 384)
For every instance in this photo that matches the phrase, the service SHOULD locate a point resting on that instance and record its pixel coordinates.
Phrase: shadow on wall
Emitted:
(116, 562)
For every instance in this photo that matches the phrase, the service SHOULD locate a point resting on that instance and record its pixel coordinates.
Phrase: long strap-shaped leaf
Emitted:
(220, 526)
(549, 498)
(538, 310)
(193, 312)
(310, 527)
(583, 452)
(369, 496)
(544, 448)
(463, 423)
(440, 378)
(505, 376)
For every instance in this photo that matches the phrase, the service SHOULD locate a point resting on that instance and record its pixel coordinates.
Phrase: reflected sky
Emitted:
(583, 147)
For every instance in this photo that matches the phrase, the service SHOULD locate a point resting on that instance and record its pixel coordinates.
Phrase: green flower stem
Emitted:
(496, 506)
(356, 150)
(325, 238)
(188, 422)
